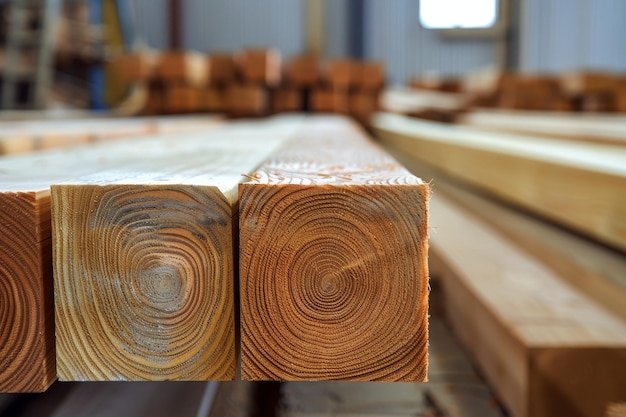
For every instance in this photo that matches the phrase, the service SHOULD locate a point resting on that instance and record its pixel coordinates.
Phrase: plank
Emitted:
(184, 99)
(531, 332)
(247, 100)
(27, 315)
(303, 71)
(561, 125)
(329, 100)
(26, 136)
(260, 66)
(215, 99)
(340, 73)
(576, 184)
(143, 262)
(137, 66)
(221, 67)
(333, 262)
(188, 67)
(287, 99)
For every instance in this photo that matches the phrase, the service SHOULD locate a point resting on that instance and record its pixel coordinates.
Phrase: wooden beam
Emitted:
(183, 66)
(143, 262)
(579, 185)
(27, 315)
(590, 267)
(303, 71)
(20, 137)
(573, 126)
(545, 346)
(333, 262)
(221, 69)
(260, 66)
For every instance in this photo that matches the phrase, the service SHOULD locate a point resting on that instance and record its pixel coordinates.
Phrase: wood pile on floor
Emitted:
(492, 93)
(254, 82)
(532, 302)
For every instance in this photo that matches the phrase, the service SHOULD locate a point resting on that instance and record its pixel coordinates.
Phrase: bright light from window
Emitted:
(449, 14)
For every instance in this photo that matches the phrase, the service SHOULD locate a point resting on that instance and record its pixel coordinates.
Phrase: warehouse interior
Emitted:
(313, 208)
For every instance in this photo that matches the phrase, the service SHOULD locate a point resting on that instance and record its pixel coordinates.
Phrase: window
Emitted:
(458, 14)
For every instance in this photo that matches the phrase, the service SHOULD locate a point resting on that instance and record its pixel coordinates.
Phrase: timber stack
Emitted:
(254, 83)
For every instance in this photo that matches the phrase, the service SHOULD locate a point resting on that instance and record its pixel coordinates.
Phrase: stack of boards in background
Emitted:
(493, 92)
(254, 82)
(140, 241)
(528, 245)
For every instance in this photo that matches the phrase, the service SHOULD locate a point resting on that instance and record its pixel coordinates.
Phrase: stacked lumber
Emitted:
(255, 82)
(580, 185)
(144, 261)
(542, 302)
(580, 91)
(27, 319)
(333, 262)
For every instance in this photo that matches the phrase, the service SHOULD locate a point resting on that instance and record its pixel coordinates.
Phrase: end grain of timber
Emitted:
(333, 262)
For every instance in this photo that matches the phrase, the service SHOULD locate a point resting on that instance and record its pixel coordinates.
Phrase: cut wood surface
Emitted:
(137, 66)
(574, 126)
(184, 99)
(340, 73)
(247, 100)
(546, 347)
(580, 185)
(183, 66)
(221, 68)
(260, 66)
(303, 71)
(328, 100)
(27, 317)
(333, 262)
(143, 262)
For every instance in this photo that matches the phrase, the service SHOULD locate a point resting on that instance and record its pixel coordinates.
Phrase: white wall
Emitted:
(218, 25)
(561, 35)
(151, 23)
(394, 34)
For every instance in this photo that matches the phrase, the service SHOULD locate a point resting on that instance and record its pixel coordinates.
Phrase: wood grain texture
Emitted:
(183, 66)
(260, 66)
(137, 66)
(303, 71)
(27, 360)
(333, 262)
(576, 184)
(221, 69)
(143, 262)
(533, 334)
(26, 311)
(597, 272)
(340, 73)
(584, 127)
